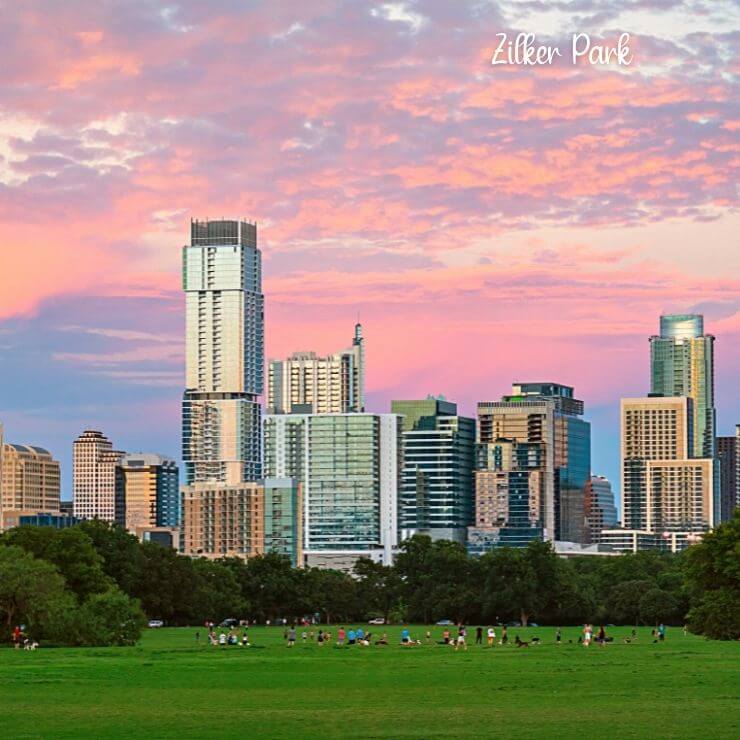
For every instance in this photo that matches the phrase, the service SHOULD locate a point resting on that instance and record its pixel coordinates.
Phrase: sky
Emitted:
(489, 224)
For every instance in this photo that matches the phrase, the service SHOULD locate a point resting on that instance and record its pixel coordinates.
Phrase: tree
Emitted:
(623, 604)
(379, 587)
(713, 572)
(110, 618)
(657, 605)
(332, 593)
(119, 550)
(70, 550)
(31, 592)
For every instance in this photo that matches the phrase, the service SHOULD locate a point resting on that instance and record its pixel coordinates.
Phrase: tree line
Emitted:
(95, 584)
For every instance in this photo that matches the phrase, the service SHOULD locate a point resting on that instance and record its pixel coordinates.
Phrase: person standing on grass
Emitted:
(446, 636)
(320, 638)
(558, 636)
(341, 635)
(291, 636)
(491, 637)
(351, 637)
(360, 634)
(479, 635)
(586, 635)
(429, 637)
(661, 632)
(504, 636)
(461, 635)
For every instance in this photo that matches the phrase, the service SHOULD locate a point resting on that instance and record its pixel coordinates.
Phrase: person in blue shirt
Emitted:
(405, 636)
(351, 637)
(360, 634)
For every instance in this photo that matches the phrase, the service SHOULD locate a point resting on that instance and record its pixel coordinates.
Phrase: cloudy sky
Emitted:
(489, 224)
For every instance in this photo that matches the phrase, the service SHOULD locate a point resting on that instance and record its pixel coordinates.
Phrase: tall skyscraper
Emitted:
(309, 384)
(349, 467)
(729, 461)
(599, 508)
(437, 496)
(94, 474)
(664, 488)
(224, 353)
(682, 364)
(147, 492)
(553, 441)
(30, 479)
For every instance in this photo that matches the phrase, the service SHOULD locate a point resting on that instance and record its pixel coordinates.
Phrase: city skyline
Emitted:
(488, 224)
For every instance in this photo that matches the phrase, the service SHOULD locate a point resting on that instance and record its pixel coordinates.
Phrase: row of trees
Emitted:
(93, 584)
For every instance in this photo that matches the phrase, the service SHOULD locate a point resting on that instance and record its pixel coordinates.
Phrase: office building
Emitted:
(94, 474)
(682, 364)
(349, 467)
(30, 479)
(664, 488)
(620, 540)
(32, 518)
(437, 495)
(224, 353)
(148, 492)
(537, 449)
(309, 384)
(600, 511)
(729, 462)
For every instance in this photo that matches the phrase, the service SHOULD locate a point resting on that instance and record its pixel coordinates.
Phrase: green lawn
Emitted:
(169, 686)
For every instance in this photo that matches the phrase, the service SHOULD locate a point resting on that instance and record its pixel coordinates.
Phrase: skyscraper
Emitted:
(94, 474)
(349, 467)
(307, 383)
(224, 353)
(682, 364)
(727, 451)
(30, 479)
(599, 508)
(147, 492)
(551, 439)
(437, 495)
(664, 488)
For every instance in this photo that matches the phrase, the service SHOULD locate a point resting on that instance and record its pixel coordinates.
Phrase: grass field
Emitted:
(169, 686)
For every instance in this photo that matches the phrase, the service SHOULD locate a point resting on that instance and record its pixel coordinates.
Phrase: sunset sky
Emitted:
(489, 224)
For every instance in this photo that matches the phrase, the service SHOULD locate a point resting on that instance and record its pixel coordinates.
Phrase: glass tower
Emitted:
(437, 494)
(222, 279)
(682, 364)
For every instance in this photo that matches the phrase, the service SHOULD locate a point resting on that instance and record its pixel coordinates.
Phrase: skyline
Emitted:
(490, 224)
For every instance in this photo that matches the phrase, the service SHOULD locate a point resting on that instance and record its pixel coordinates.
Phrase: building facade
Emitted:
(94, 476)
(538, 449)
(222, 279)
(600, 511)
(682, 364)
(30, 479)
(283, 513)
(222, 520)
(729, 466)
(437, 494)
(349, 467)
(664, 488)
(307, 383)
(147, 492)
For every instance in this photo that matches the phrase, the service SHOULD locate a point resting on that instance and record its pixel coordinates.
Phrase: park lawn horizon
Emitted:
(170, 685)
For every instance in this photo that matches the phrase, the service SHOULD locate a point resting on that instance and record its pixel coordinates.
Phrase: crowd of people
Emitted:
(456, 638)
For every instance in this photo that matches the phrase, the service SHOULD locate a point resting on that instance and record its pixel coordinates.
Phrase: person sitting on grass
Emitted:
(405, 637)
(341, 635)
(383, 639)
(446, 636)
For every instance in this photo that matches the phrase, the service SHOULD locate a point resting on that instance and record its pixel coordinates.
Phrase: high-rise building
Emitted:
(664, 488)
(244, 520)
(223, 520)
(30, 479)
(94, 474)
(437, 496)
(349, 466)
(283, 518)
(682, 364)
(148, 492)
(538, 447)
(599, 509)
(224, 353)
(729, 461)
(309, 384)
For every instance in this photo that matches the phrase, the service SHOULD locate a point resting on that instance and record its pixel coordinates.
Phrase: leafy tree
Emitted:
(120, 551)
(31, 592)
(332, 593)
(379, 587)
(657, 605)
(623, 605)
(110, 618)
(713, 571)
(70, 550)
